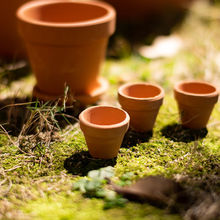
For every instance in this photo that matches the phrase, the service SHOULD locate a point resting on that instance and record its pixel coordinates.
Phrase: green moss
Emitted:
(160, 155)
(38, 183)
(73, 206)
(169, 152)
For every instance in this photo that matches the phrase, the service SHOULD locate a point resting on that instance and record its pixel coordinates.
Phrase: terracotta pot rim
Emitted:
(103, 19)
(177, 89)
(111, 126)
(153, 98)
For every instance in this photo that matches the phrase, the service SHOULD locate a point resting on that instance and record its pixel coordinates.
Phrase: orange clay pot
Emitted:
(104, 128)
(142, 101)
(195, 102)
(66, 43)
(11, 45)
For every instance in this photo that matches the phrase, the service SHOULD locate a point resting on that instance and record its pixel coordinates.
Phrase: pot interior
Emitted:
(141, 91)
(104, 115)
(197, 88)
(64, 12)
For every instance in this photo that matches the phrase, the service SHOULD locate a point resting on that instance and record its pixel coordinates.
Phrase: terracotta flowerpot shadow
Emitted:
(11, 72)
(13, 115)
(16, 112)
(178, 133)
(132, 138)
(66, 43)
(142, 101)
(104, 128)
(82, 162)
(195, 100)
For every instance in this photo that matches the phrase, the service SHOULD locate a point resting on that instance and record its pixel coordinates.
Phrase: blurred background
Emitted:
(159, 41)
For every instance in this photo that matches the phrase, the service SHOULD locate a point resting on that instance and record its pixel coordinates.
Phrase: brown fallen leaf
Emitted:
(190, 203)
(154, 189)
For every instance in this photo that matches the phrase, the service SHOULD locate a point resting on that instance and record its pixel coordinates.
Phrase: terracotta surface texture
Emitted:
(66, 43)
(195, 101)
(104, 128)
(142, 101)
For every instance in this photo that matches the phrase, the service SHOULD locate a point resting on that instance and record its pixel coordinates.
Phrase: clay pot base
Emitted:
(86, 99)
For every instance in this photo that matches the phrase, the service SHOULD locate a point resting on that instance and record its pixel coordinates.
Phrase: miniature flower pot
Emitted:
(11, 45)
(104, 128)
(66, 43)
(195, 102)
(142, 101)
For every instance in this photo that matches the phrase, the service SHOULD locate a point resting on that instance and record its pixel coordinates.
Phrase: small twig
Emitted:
(3, 181)
(13, 168)
(9, 187)
(5, 132)
(16, 104)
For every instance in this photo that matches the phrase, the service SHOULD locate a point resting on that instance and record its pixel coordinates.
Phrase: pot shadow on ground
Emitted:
(132, 138)
(12, 70)
(176, 132)
(82, 162)
(17, 112)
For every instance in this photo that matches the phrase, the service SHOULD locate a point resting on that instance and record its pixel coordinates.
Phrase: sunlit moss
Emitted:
(39, 185)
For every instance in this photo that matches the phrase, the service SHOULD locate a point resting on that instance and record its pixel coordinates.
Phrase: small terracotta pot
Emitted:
(195, 102)
(142, 101)
(66, 43)
(104, 128)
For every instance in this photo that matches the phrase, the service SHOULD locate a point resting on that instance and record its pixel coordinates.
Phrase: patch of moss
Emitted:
(34, 188)
(38, 185)
(73, 206)
(167, 154)
(194, 159)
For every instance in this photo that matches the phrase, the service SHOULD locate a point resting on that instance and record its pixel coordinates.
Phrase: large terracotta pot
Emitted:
(195, 101)
(66, 42)
(142, 101)
(11, 45)
(104, 128)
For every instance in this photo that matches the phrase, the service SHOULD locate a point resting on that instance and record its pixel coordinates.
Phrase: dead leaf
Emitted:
(154, 189)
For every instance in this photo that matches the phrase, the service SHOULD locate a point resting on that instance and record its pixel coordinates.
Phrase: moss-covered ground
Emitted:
(36, 183)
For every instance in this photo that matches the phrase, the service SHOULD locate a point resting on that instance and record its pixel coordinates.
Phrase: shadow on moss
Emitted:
(178, 133)
(82, 162)
(132, 138)
(15, 113)
(10, 72)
